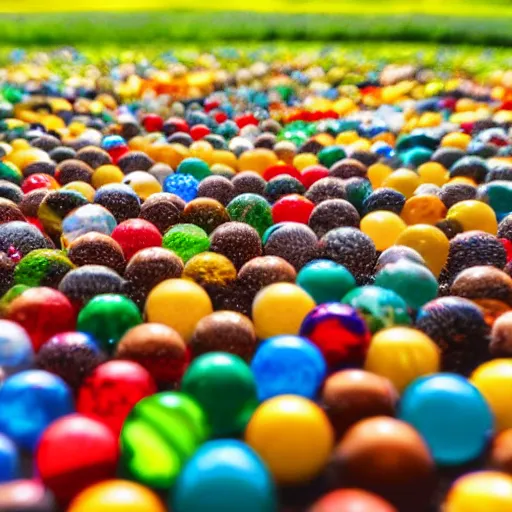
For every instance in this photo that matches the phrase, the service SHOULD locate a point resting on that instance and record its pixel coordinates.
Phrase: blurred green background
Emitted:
(96, 22)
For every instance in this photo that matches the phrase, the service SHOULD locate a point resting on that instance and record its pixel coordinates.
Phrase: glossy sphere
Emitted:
(280, 309)
(194, 167)
(224, 331)
(42, 267)
(107, 317)
(42, 312)
(29, 402)
(501, 336)
(238, 241)
(325, 280)
(480, 492)
(351, 500)
(474, 248)
(339, 332)
(349, 396)
(25, 496)
(293, 437)
(483, 282)
(23, 237)
(380, 308)
(251, 209)
(159, 435)
(97, 249)
(16, 352)
(9, 460)
(84, 283)
(351, 248)
(500, 456)
(459, 329)
(70, 355)
(142, 183)
(206, 213)
(209, 268)
(292, 208)
(136, 234)
(87, 218)
(106, 174)
(186, 240)
(493, 379)
(224, 475)
(414, 283)
(423, 209)
(403, 180)
(116, 496)
(180, 304)
(386, 456)
(288, 365)
(292, 241)
(402, 354)
(428, 404)
(183, 185)
(112, 389)
(474, 215)
(223, 385)
(383, 228)
(157, 348)
(55, 206)
(430, 242)
(88, 454)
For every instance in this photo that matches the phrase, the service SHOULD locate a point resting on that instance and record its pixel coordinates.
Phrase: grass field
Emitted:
(475, 8)
(27, 22)
(191, 26)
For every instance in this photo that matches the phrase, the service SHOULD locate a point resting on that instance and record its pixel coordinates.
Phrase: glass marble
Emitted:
(87, 453)
(56, 205)
(107, 318)
(210, 268)
(194, 167)
(224, 475)
(42, 312)
(186, 240)
(87, 218)
(383, 228)
(16, 352)
(280, 309)
(474, 215)
(253, 210)
(297, 458)
(414, 283)
(379, 307)
(9, 460)
(480, 491)
(224, 386)
(339, 331)
(402, 354)
(70, 355)
(451, 415)
(183, 185)
(111, 390)
(179, 304)
(494, 380)
(117, 496)
(325, 280)
(43, 267)
(288, 365)
(430, 242)
(159, 436)
(29, 402)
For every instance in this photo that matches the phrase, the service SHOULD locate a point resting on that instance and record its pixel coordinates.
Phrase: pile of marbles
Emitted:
(257, 290)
